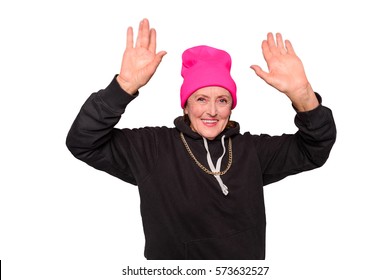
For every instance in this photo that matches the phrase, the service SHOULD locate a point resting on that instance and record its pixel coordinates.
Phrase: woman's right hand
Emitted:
(139, 62)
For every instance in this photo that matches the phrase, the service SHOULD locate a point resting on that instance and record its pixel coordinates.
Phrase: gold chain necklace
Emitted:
(230, 152)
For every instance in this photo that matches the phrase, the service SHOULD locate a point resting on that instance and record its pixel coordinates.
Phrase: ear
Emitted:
(185, 111)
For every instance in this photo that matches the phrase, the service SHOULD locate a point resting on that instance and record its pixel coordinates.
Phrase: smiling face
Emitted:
(209, 110)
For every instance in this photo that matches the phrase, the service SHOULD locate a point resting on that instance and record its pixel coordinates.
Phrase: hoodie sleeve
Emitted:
(308, 148)
(93, 139)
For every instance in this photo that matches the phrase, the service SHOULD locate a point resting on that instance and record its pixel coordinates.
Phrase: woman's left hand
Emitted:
(286, 72)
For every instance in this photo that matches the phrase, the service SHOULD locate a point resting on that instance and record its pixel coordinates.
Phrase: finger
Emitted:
(143, 34)
(271, 42)
(129, 38)
(289, 47)
(266, 50)
(138, 42)
(279, 40)
(280, 44)
(152, 40)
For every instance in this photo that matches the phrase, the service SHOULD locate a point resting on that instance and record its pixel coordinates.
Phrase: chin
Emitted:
(209, 136)
(208, 132)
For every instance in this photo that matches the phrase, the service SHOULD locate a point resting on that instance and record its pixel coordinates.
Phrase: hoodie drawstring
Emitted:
(217, 168)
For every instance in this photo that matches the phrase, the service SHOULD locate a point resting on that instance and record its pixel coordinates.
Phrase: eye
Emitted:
(201, 99)
(223, 101)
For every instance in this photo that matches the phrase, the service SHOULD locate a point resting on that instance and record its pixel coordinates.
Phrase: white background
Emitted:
(61, 219)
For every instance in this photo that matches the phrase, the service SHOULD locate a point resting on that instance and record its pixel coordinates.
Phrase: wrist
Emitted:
(129, 88)
(306, 100)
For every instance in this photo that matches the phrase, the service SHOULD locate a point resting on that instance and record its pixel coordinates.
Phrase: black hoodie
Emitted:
(184, 211)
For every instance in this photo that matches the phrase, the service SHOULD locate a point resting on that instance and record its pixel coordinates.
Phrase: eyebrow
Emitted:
(219, 96)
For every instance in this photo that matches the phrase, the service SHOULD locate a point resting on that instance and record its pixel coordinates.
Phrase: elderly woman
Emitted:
(201, 182)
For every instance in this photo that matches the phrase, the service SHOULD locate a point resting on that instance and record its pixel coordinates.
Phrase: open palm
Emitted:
(139, 62)
(286, 72)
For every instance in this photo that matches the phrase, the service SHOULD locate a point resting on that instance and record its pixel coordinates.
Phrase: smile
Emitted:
(209, 122)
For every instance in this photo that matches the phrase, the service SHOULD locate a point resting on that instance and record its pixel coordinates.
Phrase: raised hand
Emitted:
(286, 72)
(139, 62)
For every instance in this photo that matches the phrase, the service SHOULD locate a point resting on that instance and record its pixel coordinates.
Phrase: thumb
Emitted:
(160, 55)
(157, 60)
(260, 72)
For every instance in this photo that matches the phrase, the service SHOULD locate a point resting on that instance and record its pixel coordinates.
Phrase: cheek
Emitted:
(194, 111)
(225, 113)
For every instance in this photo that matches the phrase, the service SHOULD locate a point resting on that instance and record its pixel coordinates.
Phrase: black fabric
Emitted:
(184, 213)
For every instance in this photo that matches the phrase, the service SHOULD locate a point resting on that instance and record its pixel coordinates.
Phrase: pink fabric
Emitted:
(206, 66)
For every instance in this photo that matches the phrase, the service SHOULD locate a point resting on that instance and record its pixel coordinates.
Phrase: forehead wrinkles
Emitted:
(212, 92)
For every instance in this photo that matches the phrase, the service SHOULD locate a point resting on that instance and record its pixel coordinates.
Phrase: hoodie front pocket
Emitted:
(244, 245)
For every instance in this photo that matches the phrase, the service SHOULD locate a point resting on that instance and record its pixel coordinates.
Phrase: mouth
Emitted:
(209, 122)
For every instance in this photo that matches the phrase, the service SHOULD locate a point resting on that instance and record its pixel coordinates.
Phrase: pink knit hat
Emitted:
(205, 66)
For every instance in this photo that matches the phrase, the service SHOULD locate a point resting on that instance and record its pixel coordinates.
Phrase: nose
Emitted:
(212, 109)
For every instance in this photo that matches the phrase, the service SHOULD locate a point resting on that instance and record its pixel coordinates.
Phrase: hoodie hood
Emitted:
(184, 127)
(214, 165)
